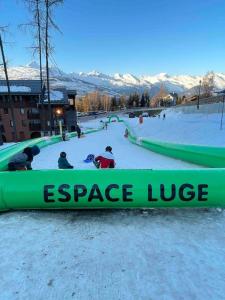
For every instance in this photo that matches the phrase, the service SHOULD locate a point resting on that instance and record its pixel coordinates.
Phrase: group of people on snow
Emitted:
(22, 161)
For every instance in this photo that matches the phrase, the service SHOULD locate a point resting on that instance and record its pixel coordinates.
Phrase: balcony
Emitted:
(33, 116)
(35, 127)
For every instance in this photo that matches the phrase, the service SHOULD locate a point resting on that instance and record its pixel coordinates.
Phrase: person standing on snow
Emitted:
(78, 130)
(22, 161)
(105, 160)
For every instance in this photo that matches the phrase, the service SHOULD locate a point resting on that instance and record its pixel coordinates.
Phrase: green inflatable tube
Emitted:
(6, 153)
(65, 189)
(213, 157)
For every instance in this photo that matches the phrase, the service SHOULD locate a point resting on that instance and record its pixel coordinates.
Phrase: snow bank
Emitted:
(202, 129)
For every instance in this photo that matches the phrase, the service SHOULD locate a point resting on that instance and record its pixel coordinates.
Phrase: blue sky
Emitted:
(135, 36)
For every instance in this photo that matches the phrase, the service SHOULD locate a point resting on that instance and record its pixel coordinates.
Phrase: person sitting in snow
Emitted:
(105, 160)
(63, 162)
(22, 161)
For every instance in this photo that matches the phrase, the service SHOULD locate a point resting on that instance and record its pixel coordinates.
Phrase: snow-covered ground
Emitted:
(169, 254)
(6, 145)
(127, 155)
(155, 254)
(203, 129)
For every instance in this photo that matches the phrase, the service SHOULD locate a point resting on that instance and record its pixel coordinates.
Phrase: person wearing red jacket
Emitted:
(105, 160)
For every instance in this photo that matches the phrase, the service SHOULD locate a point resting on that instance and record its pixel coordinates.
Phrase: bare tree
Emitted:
(49, 22)
(36, 9)
(208, 84)
(158, 98)
(8, 85)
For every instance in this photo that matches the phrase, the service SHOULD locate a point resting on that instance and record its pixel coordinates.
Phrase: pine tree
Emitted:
(143, 100)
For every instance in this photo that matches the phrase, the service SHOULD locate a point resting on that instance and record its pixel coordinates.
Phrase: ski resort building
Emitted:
(29, 109)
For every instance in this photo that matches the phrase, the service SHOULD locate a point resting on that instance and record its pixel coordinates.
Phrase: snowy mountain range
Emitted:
(116, 84)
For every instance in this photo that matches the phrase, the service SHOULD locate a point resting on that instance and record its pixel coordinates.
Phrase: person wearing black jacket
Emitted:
(78, 130)
(23, 160)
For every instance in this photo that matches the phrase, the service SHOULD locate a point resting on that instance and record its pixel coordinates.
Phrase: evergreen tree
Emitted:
(114, 103)
(143, 100)
(131, 100)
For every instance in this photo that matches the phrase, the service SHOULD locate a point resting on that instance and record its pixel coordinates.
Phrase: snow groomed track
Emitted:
(71, 189)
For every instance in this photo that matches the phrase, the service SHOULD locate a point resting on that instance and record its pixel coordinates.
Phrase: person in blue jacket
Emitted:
(63, 162)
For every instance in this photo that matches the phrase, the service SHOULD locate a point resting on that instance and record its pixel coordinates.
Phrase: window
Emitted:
(6, 111)
(6, 98)
(22, 136)
(24, 124)
(34, 110)
(22, 111)
(35, 122)
(11, 123)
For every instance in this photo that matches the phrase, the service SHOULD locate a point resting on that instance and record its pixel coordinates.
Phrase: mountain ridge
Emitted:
(116, 84)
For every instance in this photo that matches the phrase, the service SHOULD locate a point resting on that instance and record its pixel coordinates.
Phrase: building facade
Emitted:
(32, 116)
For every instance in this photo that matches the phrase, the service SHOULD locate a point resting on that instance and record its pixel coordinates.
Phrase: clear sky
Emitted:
(128, 36)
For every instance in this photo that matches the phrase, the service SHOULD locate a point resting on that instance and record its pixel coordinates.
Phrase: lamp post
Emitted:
(58, 114)
(199, 92)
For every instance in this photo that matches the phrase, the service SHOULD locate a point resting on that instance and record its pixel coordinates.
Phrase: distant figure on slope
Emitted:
(126, 133)
(141, 119)
(78, 130)
(105, 160)
(64, 136)
(22, 161)
(164, 116)
(63, 162)
(105, 125)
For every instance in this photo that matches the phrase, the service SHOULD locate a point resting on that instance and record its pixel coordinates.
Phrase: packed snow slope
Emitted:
(127, 155)
(112, 84)
(197, 129)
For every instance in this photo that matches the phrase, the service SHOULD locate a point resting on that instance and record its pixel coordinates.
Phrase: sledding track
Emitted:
(127, 155)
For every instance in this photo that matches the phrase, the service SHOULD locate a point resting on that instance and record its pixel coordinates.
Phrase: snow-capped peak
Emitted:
(33, 65)
(94, 73)
(113, 84)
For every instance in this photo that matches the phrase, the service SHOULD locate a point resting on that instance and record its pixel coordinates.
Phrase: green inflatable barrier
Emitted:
(114, 117)
(6, 153)
(213, 157)
(65, 189)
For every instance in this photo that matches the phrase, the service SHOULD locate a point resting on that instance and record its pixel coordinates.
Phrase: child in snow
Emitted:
(105, 160)
(63, 162)
(22, 161)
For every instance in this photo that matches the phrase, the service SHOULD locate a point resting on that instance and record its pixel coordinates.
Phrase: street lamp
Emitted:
(58, 113)
(199, 92)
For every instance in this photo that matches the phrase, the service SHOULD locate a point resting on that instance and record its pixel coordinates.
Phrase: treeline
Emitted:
(95, 101)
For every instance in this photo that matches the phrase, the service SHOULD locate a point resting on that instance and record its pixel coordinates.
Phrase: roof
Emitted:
(33, 87)
(21, 86)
